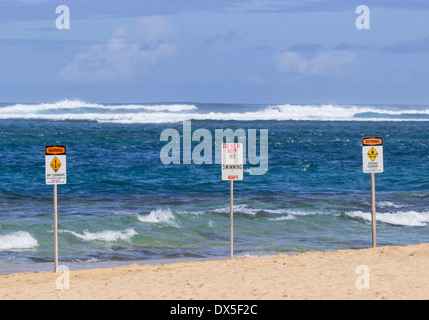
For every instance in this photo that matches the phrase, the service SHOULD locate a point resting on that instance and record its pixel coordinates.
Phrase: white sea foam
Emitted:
(22, 109)
(211, 224)
(283, 214)
(255, 254)
(158, 107)
(173, 113)
(20, 240)
(389, 204)
(335, 112)
(159, 216)
(282, 218)
(194, 213)
(89, 110)
(242, 208)
(400, 218)
(105, 235)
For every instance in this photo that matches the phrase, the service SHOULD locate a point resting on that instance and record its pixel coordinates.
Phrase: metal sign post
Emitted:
(231, 218)
(56, 173)
(372, 157)
(56, 227)
(232, 169)
(373, 219)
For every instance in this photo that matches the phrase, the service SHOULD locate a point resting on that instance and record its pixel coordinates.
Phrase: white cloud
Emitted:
(323, 63)
(130, 51)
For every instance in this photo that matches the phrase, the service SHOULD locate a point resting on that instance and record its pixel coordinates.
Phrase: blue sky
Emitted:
(237, 51)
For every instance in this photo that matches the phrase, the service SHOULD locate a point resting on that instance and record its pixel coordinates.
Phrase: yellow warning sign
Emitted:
(55, 164)
(372, 154)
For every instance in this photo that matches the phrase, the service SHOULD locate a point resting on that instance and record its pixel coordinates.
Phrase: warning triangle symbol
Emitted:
(55, 164)
(372, 154)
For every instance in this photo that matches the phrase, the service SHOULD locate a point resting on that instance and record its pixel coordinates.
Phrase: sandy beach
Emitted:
(374, 273)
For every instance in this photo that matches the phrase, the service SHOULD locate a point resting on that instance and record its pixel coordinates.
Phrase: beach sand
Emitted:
(375, 273)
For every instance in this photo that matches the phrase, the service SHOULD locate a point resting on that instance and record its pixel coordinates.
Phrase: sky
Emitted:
(220, 51)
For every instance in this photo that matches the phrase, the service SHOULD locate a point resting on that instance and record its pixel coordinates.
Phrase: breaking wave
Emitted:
(399, 218)
(178, 112)
(20, 240)
(159, 216)
(106, 235)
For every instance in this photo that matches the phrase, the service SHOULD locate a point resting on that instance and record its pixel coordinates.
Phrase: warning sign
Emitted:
(372, 154)
(55, 165)
(232, 161)
(372, 141)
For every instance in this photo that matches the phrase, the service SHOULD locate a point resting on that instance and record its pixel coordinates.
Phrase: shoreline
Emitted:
(389, 272)
(88, 265)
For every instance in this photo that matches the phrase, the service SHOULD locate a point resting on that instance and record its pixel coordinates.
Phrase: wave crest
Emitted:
(105, 235)
(178, 112)
(399, 218)
(20, 240)
(159, 216)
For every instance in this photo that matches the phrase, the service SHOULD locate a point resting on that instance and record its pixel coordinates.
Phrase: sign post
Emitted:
(56, 173)
(372, 157)
(232, 169)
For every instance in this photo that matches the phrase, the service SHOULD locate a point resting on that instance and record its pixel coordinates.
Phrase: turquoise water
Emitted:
(122, 204)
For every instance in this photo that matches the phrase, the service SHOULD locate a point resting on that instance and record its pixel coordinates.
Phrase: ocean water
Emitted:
(122, 204)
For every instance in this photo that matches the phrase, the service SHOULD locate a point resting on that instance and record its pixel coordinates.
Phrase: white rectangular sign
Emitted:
(232, 161)
(55, 165)
(372, 154)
